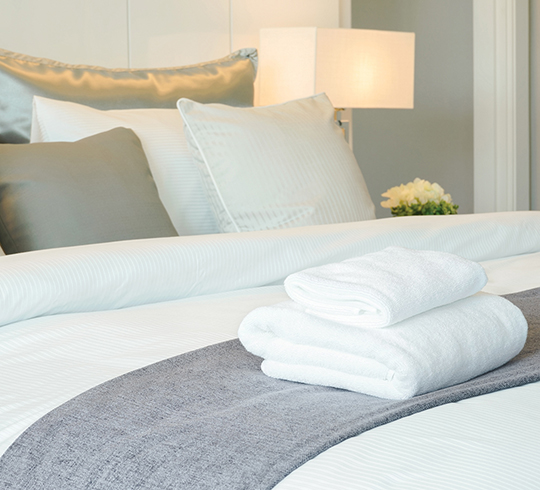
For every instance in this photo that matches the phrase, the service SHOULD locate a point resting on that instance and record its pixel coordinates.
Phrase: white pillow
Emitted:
(162, 136)
(277, 166)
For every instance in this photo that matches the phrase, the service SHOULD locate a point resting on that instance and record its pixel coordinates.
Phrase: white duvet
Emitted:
(73, 318)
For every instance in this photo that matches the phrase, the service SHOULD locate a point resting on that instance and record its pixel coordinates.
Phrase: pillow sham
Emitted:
(277, 166)
(98, 189)
(228, 80)
(162, 136)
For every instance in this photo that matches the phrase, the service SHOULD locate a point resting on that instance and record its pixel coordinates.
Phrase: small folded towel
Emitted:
(385, 287)
(439, 348)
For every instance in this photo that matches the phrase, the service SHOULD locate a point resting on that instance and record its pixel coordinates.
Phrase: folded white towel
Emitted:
(439, 348)
(382, 288)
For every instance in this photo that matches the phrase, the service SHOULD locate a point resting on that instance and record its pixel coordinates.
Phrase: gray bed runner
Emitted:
(209, 419)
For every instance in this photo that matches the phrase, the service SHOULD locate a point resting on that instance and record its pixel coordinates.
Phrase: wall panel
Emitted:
(177, 32)
(501, 106)
(72, 31)
(248, 16)
(152, 33)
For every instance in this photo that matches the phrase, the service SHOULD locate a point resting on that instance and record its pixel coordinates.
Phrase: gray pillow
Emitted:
(98, 189)
(228, 80)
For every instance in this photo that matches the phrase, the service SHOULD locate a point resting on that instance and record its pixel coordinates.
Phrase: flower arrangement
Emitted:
(418, 197)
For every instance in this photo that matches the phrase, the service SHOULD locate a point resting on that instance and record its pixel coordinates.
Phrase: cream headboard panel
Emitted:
(151, 33)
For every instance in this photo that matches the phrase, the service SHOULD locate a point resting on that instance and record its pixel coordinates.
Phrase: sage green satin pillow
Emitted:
(98, 189)
(228, 81)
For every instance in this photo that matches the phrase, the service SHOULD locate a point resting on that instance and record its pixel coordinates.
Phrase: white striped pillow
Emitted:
(277, 166)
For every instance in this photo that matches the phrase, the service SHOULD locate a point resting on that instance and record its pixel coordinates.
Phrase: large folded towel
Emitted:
(385, 287)
(439, 348)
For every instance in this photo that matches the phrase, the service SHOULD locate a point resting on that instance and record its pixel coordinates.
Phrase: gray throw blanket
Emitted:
(210, 419)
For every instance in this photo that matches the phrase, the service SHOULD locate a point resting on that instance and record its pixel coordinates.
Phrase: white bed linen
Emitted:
(484, 442)
(121, 274)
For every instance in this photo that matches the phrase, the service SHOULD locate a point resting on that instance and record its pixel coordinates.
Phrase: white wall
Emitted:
(72, 31)
(151, 33)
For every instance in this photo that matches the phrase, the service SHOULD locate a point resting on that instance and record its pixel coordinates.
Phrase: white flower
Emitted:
(438, 189)
(419, 191)
(446, 198)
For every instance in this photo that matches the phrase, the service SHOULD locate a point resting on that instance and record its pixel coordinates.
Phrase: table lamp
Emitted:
(356, 68)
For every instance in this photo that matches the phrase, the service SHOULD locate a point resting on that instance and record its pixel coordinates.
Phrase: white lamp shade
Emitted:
(354, 67)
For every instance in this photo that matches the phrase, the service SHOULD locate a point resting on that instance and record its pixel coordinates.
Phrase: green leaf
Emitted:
(429, 208)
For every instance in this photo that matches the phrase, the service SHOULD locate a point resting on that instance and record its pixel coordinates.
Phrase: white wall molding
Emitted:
(501, 105)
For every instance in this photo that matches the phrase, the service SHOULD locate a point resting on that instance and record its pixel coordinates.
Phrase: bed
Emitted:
(83, 311)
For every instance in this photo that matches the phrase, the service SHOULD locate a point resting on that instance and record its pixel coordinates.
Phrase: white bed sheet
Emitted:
(490, 442)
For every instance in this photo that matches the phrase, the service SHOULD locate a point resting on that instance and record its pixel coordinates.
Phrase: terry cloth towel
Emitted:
(385, 287)
(436, 349)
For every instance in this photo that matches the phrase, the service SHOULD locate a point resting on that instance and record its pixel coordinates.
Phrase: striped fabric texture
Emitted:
(136, 272)
(484, 443)
(273, 167)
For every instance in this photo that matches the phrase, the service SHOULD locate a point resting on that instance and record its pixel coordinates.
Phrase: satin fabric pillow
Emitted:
(278, 166)
(228, 80)
(98, 189)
